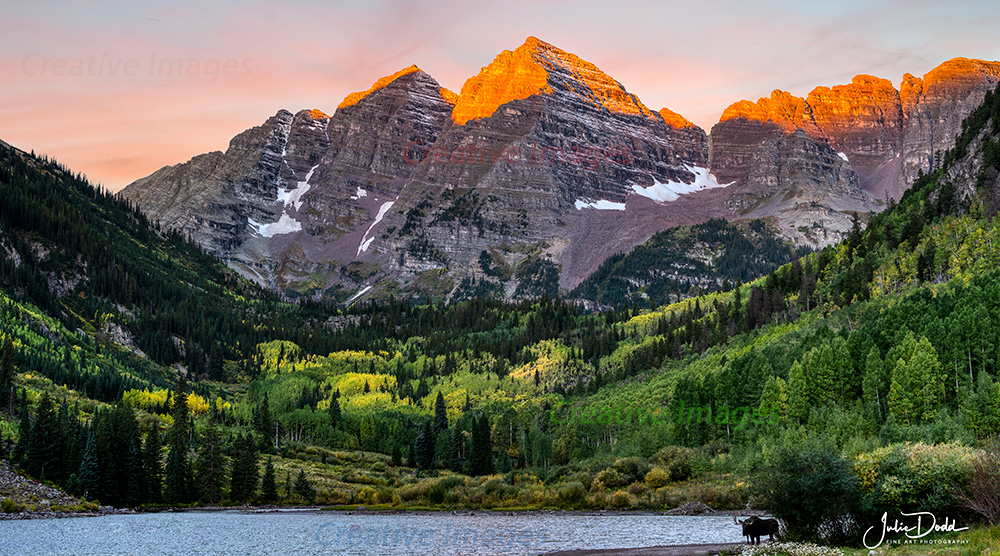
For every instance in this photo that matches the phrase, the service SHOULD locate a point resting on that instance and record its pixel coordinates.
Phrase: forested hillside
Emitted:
(689, 260)
(875, 358)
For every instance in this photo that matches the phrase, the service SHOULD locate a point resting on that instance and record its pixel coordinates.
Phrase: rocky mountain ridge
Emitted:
(887, 135)
(536, 172)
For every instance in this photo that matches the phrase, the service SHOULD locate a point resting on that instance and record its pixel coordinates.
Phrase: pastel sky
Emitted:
(117, 89)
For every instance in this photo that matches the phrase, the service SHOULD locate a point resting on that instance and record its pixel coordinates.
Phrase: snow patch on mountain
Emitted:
(360, 193)
(367, 241)
(285, 225)
(672, 190)
(292, 197)
(361, 292)
(600, 204)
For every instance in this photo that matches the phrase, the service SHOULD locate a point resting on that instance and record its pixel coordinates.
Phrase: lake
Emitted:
(287, 533)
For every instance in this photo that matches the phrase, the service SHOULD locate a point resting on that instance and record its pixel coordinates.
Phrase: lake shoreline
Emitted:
(674, 550)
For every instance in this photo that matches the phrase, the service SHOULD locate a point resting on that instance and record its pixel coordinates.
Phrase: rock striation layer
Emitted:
(887, 135)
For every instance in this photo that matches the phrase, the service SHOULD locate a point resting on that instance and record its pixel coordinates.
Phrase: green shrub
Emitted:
(637, 488)
(677, 461)
(680, 470)
(621, 499)
(658, 477)
(451, 482)
(437, 492)
(9, 506)
(913, 477)
(572, 493)
(498, 488)
(581, 477)
(633, 469)
(813, 490)
(611, 478)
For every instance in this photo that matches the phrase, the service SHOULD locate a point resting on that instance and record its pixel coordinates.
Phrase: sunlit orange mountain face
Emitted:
(537, 171)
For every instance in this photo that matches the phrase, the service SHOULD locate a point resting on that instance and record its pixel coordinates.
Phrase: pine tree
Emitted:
(89, 473)
(152, 466)
(110, 464)
(73, 437)
(481, 458)
(423, 448)
(178, 469)
(264, 422)
(774, 399)
(440, 414)
(244, 477)
(798, 397)
(917, 388)
(334, 411)
(873, 385)
(304, 488)
(216, 369)
(932, 378)
(459, 442)
(821, 375)
(444, 449)
(6, 376)
(902, 404)
(43, 456)
(397, 456)
(268, 485)
(210, 467)
(130, 443)
(23, 431)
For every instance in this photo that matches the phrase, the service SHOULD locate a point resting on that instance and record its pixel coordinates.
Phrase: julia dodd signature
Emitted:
(926, 523)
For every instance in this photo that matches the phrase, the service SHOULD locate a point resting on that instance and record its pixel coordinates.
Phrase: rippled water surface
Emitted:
(310, 533)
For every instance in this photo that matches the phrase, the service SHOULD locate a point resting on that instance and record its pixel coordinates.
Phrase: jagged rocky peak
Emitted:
(885, 133)
(537, 67)
(935, 106)
(781, 109)
(864, 117)
(371, 129)
(675, 120)
(354, 98)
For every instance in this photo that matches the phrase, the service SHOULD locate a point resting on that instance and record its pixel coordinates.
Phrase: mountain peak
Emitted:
(961, 71)
(512, 75)
(354, 98)
(675, 120)
(537, 67)
(317, 114)
(534, 43)
(782, 108)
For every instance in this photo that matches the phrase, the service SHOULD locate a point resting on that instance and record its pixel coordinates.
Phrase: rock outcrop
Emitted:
(886, 134)
(806, 185)
(277, 204)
